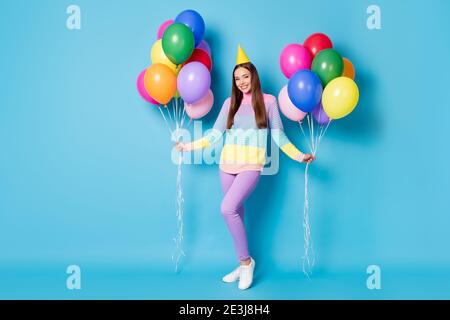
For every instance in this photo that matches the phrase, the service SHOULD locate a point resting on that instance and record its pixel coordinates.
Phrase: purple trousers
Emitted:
(237, 188)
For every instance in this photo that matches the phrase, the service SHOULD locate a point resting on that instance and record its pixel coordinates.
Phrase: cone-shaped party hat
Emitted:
(241, 56)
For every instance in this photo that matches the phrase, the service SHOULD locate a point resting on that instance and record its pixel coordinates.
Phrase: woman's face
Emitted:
(243, 80)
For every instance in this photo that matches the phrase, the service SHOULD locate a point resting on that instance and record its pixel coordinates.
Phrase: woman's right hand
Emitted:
(180, 146)
(308, 158)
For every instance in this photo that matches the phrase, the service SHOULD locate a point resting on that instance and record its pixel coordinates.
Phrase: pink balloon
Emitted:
(141, 88)
(163, 28)
(294, 57)
(201, 107)
(288, 108)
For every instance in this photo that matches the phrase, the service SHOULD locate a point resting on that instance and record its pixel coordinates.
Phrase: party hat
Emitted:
(241, 56)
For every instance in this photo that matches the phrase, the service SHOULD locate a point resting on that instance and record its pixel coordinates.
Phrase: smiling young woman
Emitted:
(245, 117)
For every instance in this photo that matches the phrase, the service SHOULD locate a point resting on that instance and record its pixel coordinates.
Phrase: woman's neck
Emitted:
(247, 98)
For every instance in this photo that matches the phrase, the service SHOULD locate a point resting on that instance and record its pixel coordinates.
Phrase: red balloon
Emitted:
(317, 42)
(201, 56)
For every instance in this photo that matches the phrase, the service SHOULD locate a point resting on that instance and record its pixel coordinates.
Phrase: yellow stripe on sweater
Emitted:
(237, 154)
(291, 150)
(200, 144)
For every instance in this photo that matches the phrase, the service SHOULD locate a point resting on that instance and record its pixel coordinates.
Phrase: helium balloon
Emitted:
(317, 42)
(328, 65)
(340, 97)
(294, 57)
(141, 89)
(305, 90)
(201, 107)
(349, 69)
(158, 56)
(193, 81)
(287, 107)
(204, 46)
(178, 43)
(195, 22)
(160, 82)
(202, 57)
(163, 28)
(320, 115)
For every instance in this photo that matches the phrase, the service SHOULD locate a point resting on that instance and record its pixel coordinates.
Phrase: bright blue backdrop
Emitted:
(86, 176)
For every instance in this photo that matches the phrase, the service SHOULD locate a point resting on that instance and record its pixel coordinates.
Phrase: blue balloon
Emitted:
(195, 22)
(305, 90)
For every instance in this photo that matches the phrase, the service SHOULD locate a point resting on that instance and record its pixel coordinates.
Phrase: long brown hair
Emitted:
(257, 97)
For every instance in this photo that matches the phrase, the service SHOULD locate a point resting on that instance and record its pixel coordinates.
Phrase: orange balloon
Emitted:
(160, 82)
(349, 69)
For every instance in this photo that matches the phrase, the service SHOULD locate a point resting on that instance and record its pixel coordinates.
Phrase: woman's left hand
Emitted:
(308, 158)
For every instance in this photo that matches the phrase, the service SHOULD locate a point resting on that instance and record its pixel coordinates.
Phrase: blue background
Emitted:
(86, 176)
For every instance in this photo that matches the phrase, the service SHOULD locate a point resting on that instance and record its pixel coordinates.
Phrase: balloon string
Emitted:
(303, 131)
(309, 130)
(173, 112)
(184, 116)
(178, 251)
(181, 111)
(308, 261)
(318, 139)
(326, 128)
(178, 239)
(175, 134)
(318, 132)
(177, 111)
(321, 135)
(308, 257)
(168, 112)
(312, 130)
(165, 120)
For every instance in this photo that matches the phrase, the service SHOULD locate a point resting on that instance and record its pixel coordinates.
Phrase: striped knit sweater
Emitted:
(245, 144)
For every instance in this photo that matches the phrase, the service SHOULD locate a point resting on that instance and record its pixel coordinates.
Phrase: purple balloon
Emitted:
(204, 46)
(320, 115)
(193, 82)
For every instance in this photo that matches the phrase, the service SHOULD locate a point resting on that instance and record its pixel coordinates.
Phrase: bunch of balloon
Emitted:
(321, 88)
(178, 82)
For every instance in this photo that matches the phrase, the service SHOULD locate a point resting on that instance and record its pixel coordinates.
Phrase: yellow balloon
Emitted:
(340, 97)
(158, 56)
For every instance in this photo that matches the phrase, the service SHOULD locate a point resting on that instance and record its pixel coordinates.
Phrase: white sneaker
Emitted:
(232, 276)
(246, 275)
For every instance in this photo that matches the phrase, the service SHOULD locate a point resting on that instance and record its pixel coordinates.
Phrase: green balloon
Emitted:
(178, 43)
(328, 65)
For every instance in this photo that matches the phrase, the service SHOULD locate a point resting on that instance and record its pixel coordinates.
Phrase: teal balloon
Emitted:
(178, 43)
(328, 65)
